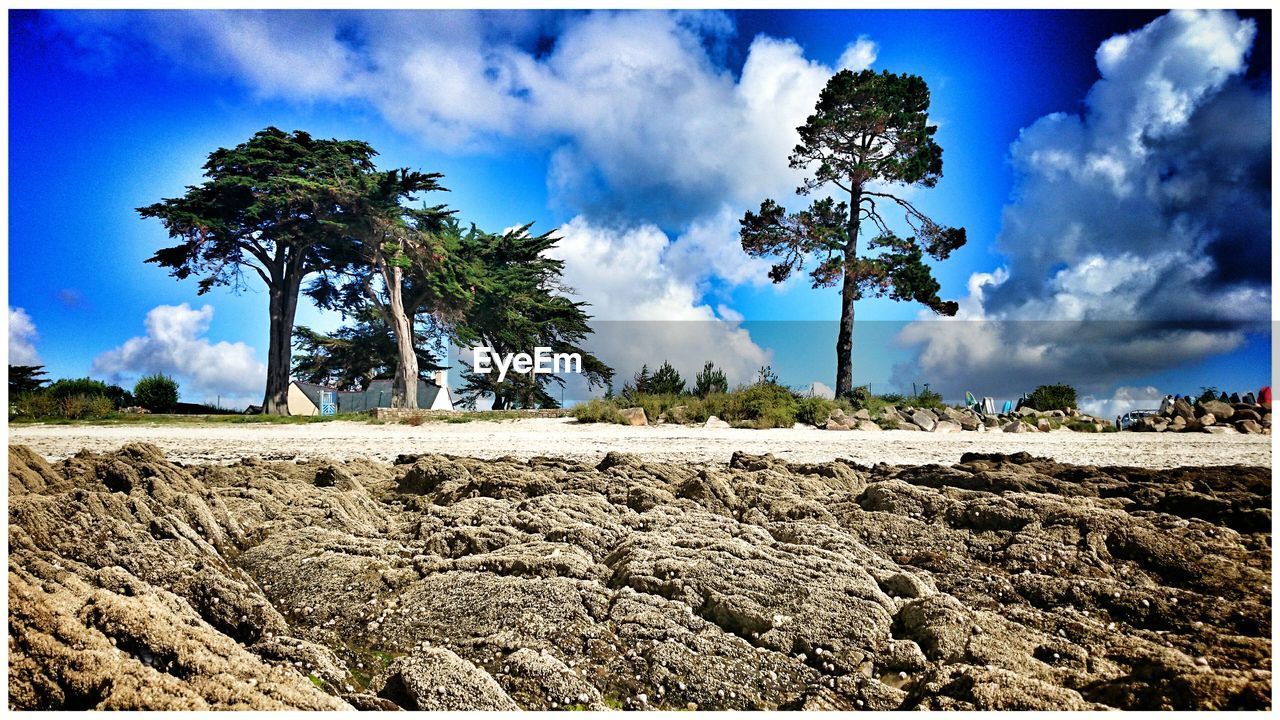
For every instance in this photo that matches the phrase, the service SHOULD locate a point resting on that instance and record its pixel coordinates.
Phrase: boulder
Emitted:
(909, 426)
(1207, 419)
(1249, 427)
(969, 421)
(433, 678)
(634, 416)
(715, 422)
(1183, 409)
(1178, 423)
(1017, 426)
(834, 423)
(1220, 410)
(1025, 411)
(1043, 425)
(947, 426)
(678, 414)
(1220, 430)
(861, 414)
(868, 426)
(1246, 414)
(135, 410)
(991, 422)
(924, 419)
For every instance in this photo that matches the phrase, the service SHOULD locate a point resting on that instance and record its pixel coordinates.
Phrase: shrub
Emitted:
(763, 405)
(710, 380)
(34, 405)
(815, 410)
(414, 420)
(157, 393)
(1052, 397)
(596, 410)
(78, 407)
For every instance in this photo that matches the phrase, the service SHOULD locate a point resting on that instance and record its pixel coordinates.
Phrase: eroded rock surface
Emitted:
(1003, 582)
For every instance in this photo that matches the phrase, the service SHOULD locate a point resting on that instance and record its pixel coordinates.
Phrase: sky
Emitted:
(1112, 170)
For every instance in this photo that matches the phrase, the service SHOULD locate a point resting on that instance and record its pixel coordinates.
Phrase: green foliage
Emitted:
(926, 398)
(157, 393)
(353, 355)
(597, 410)
(519, 305)
(869, 134)
(64, 388)
(766, 376)
(34, 406)
(1052, 397)
(639, 384)
(815, 410)
(666, 381)
(1207, 394)
(710, 380)
(25, 379)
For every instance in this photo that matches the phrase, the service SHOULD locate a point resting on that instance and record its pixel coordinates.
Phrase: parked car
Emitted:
(1128, 419)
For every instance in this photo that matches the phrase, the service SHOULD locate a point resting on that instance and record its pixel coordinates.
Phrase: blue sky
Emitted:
(644, 136)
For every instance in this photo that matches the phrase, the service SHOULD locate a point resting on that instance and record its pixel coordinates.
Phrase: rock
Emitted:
(678, 414)
(135, 410)
(1249, 427)
(1002, 581)
(924, 419)
(868, 426)
(1179, 423)
(437, 679)
(1220, 410)
(1220, 430)
(890, 414)
(908, 426)
(1017, 426)
(990, 422)
(1207, 419)
(715, 422)
(1043, 425)
(836, 424)
(634, 416)
(1246, 414)
(862, 414)
(947, 426)
(1183, 409)
(970, 421)
(1025, 411)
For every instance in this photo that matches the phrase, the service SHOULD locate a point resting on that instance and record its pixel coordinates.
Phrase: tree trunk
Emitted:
(848, 295)
(284, 307)
(404, 390)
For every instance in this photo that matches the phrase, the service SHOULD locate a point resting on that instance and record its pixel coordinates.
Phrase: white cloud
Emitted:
(1124, 399)
(643, 312)
(820, 389)
(22, 339)
(175, 344)
(858, 55)
(1139, 234)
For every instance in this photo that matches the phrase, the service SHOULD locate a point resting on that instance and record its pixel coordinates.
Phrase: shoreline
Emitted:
(561, 437)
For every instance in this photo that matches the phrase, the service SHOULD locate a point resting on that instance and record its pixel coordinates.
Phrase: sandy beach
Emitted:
(668, 443)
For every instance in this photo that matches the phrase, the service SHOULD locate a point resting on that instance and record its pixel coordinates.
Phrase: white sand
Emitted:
(221, 442)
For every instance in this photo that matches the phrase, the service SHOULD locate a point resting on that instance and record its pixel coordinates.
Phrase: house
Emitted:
(309, 398)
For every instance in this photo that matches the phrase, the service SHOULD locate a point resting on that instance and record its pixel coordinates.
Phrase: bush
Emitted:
(157, 393)
(815, 410)
(78, 407)
(34, 406)
(763, 405)
(596, 410)
(1052, 397)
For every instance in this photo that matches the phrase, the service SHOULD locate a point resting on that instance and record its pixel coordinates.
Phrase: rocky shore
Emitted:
(437, 582)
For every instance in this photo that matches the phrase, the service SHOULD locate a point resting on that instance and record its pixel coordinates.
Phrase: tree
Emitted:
(519, 304)
(1052, 397)
(271, 206)
(353, 355)
(399, 262)
(639, 384)
(157, 393)
(710, 380)
(25, 379)
(869, 133)
(666, 381)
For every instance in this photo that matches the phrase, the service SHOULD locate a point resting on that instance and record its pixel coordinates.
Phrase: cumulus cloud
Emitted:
(175, 344)
(644, 124)
(22, 339)
(1139, 235)
(1124, 399)
(642, 312)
